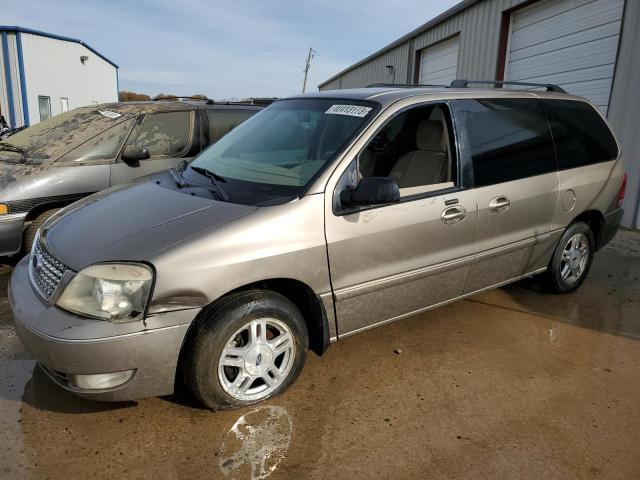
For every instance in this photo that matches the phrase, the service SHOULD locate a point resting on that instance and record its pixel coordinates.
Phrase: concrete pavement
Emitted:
(512, 383)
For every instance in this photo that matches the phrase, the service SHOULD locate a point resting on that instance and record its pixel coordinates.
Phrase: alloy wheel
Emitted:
(575, 256)
(256, 359)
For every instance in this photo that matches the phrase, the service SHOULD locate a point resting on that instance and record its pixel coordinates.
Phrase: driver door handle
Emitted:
(499, 204)
(453, 215)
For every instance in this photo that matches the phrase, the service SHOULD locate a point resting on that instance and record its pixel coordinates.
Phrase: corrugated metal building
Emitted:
(589, 47)
(43, 74)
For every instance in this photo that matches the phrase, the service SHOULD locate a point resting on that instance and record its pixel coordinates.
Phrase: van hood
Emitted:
(133, 222)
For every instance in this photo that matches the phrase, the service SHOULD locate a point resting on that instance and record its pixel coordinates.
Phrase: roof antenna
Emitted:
(312, 53)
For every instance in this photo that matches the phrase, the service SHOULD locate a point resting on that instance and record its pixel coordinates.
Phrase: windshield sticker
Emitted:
(351, 110)
(109, 114)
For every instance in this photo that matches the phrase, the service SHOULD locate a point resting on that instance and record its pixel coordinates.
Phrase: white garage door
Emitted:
(439, 63)
(572, 43)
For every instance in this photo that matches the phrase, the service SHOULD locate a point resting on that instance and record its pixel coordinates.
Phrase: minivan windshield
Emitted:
(48, 140)
(276, 153)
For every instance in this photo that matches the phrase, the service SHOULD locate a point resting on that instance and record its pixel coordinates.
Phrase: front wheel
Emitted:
(572, 259)
(245, 349)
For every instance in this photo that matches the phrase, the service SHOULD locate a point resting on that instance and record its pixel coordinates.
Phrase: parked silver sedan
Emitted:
(67, 157)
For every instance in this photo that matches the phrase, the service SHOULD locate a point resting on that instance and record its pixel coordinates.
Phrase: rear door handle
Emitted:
(453, 215)
(499, 204)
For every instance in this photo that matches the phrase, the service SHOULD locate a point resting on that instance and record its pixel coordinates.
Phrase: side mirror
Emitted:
(371, 191)
(132, 154)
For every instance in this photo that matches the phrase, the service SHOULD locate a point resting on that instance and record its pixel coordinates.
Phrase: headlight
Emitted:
(109, 291)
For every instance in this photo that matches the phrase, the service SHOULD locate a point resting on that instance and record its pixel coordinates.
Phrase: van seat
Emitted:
(429, 163)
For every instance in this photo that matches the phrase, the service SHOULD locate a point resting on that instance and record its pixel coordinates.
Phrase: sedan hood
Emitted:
(12, 172)
(132, 223)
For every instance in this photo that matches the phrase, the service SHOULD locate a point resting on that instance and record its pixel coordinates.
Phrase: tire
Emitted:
(30, 234)
(569, 267)
(245, 327)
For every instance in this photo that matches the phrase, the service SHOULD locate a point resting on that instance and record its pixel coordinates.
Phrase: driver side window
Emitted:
(166, 134)
(414, 149)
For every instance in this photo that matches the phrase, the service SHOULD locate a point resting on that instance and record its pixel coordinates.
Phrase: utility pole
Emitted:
(312, 53)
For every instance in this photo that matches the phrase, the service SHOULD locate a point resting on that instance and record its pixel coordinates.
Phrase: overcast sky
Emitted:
(226, 48)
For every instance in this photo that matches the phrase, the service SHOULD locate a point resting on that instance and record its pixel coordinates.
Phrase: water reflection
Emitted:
(257, 441)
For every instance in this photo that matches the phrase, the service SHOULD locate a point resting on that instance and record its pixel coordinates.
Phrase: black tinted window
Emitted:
(223, 121)
(508, 139)
(580, 135)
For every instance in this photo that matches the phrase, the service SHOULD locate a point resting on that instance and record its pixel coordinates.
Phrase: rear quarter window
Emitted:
(580, 134)
(507, 139)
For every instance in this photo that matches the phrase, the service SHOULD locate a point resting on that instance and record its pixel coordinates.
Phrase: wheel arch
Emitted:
(40, 208)
(309, 304)
(37, 206)
(595, 220)
(303, 297)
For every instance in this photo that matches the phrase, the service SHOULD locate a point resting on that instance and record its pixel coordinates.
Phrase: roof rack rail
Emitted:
(405, 85)
(463, 83)
(257, 101)
(208, 101)
(171, 98)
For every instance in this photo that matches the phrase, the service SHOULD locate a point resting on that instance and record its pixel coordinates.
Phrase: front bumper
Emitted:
(66, 344)
(11, 226)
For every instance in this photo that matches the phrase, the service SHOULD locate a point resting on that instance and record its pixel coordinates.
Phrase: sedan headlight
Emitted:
(109, 291)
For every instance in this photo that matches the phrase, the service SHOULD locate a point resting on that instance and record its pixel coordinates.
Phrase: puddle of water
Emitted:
(257, 441)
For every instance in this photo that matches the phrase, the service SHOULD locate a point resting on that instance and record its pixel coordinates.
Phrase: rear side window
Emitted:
(580, 135)
(222, 122)
(507, 139)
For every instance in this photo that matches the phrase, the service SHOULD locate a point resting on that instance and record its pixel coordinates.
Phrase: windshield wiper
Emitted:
(178, 178)
(215, 180)
(14, 148)
(181, 167)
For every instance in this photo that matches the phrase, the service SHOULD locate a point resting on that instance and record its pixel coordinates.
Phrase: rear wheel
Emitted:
(246, 349)
(572, 259)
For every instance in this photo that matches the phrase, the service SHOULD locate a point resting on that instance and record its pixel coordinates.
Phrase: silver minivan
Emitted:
(321, 216)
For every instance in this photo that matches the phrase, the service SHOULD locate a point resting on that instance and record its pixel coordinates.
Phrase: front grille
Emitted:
(46, 270)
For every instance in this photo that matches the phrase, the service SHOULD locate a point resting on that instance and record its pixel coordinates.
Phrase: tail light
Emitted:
(623, 190)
